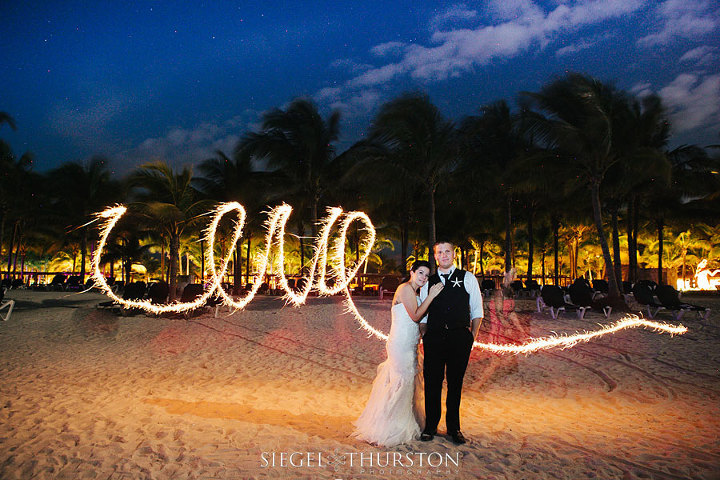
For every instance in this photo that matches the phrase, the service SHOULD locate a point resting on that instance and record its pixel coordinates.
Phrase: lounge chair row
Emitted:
(579, 297)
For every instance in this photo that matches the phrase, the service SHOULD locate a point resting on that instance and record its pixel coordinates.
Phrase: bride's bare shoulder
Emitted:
(403, 290)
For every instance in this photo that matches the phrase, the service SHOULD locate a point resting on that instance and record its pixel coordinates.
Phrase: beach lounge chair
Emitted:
(648, 283)
(582, 296)
(670, 299)
(388, 285)
(645, 297)
(191, 292)
(600, 286)
(5, 304)
(158, 292)
(553, 297)
(518, 288)
(487, 286)
(533, 288)
(58, 283)
(627, 291)
(133, 291)
(74, 283)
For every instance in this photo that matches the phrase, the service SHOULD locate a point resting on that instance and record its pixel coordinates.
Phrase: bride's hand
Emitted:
(435, 290)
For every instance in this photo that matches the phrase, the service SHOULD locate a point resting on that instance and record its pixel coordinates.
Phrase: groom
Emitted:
(453, 321)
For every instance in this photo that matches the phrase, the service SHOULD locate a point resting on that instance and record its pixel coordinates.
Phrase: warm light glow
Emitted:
(327, 274)
(703, 276)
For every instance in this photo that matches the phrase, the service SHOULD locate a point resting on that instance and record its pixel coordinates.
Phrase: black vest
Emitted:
(451, 309)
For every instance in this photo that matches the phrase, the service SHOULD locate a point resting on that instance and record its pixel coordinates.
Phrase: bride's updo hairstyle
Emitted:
(419, 263)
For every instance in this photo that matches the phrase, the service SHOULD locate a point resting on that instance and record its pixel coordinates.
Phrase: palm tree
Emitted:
(584, 123)
(167, 198)
(373, 181)
(16, 180)
(19, 194)
(299, 143)
(491, 142)
(81, 190)
(226, 180)
(411, 134)
(128, 249)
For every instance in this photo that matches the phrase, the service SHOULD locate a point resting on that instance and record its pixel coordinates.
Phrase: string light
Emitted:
(327, 274)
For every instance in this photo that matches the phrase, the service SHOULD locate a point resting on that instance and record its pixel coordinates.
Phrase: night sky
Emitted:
(137, 81)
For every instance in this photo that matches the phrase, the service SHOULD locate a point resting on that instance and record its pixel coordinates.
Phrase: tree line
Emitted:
(580, 172)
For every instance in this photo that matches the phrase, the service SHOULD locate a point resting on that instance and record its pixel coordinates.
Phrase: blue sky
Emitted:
(137, 81)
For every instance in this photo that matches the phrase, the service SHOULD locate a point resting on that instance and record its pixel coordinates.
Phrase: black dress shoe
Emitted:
(426, 437)
(458, 438)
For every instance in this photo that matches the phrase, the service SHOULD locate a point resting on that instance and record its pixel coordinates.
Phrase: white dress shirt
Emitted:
(472, 287)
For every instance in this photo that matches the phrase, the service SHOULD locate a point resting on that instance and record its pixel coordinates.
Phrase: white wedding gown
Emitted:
(394, 413)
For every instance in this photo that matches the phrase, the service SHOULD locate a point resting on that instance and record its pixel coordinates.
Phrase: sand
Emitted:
(272, 391)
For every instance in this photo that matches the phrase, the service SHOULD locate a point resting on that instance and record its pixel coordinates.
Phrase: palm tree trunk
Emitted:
(613, 290)
(202, 260)
(162, 258)
(508, 232)
(17, 252)
(83, 250)
(174, 253)
(482, 269)
(247, 263)
(10, 248)
(635, 228)
(631, 247)
(314, 213)
(302, 253)
(617, 262)
(2, 233)
(403, 246)
(531, 244)
(684, 254)
(237, 274)
(431, 230)
(660, 227)
(556, 247)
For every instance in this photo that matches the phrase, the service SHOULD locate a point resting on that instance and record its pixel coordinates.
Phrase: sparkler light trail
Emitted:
(327, 274)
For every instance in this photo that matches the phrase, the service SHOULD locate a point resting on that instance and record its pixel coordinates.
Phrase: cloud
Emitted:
(581, 45)
(181, 146)
(350, 65)
(693, 101)
(683, 19)
(700, 56)
(361, 103)
(85, 123)
(519, 25)
(641, 89)
(388, 48)
(453, 15)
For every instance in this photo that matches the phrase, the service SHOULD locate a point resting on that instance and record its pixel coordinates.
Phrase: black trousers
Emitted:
(446, 352)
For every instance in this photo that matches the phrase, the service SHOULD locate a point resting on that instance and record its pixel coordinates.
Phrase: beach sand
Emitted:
(272, 391)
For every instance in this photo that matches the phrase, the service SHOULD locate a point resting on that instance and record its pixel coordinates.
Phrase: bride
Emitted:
(394, 413)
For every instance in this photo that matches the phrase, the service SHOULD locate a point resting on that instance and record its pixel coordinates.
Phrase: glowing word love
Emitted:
(328, 263)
